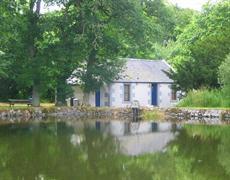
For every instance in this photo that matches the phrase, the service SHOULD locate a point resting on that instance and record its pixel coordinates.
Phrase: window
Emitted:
(126, 92)
(106, 95)
(173, 95)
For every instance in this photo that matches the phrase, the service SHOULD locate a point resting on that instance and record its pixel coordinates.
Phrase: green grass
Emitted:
(153, 114)
(205, 98)
(6, 106)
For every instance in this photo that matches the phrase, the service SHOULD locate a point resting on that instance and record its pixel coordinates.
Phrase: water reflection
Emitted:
(113, 150)
(135, 138)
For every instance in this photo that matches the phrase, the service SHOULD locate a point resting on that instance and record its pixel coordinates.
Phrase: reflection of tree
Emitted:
(221, 135)
(45, 150)
(34, 152)
(224, 150)
(103, 159)
(193, 155)
(200, 144)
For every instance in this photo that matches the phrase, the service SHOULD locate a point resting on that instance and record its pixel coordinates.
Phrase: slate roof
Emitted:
(142, 70)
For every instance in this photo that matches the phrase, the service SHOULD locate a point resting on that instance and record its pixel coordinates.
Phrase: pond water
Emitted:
(100, 150)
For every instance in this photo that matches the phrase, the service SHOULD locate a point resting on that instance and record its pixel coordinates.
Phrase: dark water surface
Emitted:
(114, 150)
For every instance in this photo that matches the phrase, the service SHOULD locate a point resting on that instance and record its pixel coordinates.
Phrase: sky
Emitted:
(45, 9)
(192, 4)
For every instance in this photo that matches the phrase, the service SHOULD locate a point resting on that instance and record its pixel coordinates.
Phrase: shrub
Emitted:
(205, 98)
(224, 76)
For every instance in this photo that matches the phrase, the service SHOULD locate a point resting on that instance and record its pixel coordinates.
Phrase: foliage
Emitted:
(38, 52)
(202, 47)
(205, 98)
(224, 76)
(163, 23)
(101, 28)
(47, 48)
(154, 114)
(77, 150)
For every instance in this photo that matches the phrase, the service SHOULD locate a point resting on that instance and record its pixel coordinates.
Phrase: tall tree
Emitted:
(100, 27)
(202, 47)
(22, 48)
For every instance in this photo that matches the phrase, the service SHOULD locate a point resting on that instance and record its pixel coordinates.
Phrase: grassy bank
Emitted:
(6, 106)
(153, 114)
(205, 99)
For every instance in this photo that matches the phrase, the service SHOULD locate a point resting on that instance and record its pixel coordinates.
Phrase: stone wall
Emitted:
(185, 114)
(92, 113)
(22, 114)
(14, 115)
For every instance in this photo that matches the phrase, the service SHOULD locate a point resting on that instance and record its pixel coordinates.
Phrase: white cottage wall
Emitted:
(113, 95)
(116, 95)
(92, 98)
(138, 91)
(164, 94)
(104, 96)
(142, 93)
(77, 92)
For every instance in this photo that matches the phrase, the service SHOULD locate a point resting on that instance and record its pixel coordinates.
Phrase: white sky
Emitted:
(45, 9)
(192, 4)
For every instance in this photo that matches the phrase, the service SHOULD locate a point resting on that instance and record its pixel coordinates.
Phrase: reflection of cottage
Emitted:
(145, 143)
(142, 137)
(144, 81)
(133, 138)
(136, 138)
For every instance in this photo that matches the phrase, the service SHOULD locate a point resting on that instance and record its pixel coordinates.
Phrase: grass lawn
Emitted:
(205, 108)
(6, 106)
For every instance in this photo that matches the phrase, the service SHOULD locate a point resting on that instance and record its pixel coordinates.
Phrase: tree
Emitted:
(224, 76)
(99, 28)
(7, 19)
(32, 49)
(48, 47)
(21, 48)
(202, 47)
(162, 24)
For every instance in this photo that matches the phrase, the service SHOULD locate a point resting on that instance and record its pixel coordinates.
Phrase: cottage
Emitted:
(142, 81)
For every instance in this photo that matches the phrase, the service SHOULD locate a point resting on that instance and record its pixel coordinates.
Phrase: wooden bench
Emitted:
(19, 101)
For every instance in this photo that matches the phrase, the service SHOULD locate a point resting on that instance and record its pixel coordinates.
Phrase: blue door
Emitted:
(97, 98)
(154, 94)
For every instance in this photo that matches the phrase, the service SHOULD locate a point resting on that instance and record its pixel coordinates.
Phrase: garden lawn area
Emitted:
(6, 106)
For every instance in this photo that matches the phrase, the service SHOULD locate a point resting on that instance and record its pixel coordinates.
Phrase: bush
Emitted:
(205, 98)
(224, 76)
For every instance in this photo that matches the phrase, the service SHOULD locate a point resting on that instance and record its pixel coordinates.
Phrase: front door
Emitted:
(97, 98)
(154, 94)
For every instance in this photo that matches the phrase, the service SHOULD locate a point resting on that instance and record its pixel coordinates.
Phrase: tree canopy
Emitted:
(39, 51)
(201, 48)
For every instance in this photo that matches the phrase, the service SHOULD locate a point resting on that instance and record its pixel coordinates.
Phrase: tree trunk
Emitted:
(86, 98)
(35, 96)
(60, 97)
(55, 96)
(63, 91)
(32, 47)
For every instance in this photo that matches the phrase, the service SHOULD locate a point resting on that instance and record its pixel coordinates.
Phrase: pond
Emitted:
(114, 150)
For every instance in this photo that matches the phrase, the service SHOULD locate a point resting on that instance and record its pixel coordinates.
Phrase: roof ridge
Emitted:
(136, 59)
